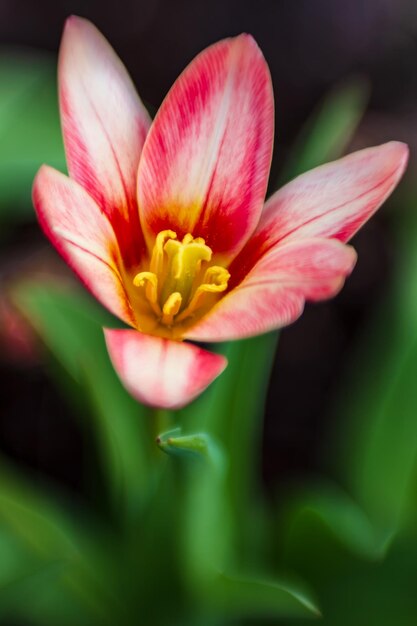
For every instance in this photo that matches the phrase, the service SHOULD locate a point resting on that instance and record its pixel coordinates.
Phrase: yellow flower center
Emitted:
(180, 277)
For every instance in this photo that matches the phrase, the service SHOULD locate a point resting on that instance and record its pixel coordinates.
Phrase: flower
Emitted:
(164, 222)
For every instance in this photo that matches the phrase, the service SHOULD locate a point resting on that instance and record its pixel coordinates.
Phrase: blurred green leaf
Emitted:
(34, 519)
(377, 446)
(207, 539)
(70, 324)
(38, 543)
(61, 561)
(232, 412)
(220, 488)
(29, 128)
(240, 596)
(47, 595)
(357, 591)
(37, 598)
(15, 561)
(329, 129)
(340, 514)
(204, 507)
(379, 400)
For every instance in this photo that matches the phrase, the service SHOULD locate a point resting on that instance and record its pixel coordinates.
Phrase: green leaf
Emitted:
(36, 598)
(61, 561)
(219, 485)
(34, 520)
(70, 324)
(16, 562)
(207, 542)
(232, 412)
(204, 506)
(357, 591)
(240, 596)
(329, 130)
(340, 514)
(379, 401)
(48, 595)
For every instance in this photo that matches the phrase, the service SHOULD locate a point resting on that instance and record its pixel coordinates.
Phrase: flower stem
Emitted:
(163, 421)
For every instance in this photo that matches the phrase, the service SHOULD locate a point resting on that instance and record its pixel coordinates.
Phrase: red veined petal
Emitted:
(160, 372)
(206, 159)
(84, 237)
(104, 125)
(273, 294)
(333, 200)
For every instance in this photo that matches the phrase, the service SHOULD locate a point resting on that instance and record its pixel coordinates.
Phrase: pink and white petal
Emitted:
(104, 122)
(84, 237)
(273, 294)
(160, 372)
(333, 200)
(205, 162)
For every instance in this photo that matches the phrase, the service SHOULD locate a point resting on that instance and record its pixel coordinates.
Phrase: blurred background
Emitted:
(345, 77)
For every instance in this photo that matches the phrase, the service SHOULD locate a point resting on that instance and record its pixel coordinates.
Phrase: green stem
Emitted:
(163, 420)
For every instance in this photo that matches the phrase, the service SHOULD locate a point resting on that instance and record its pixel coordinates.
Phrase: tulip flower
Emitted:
(165, 222)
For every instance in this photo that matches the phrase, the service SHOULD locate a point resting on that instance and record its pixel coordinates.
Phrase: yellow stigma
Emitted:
(180, 278)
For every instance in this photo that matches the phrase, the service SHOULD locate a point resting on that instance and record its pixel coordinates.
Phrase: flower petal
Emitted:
(333, 200)
(273, 294)
(83, 235)
(104, 124)
(161, 372)
(205, 163)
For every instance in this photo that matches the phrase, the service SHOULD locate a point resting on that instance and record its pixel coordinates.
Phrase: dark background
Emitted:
(309, 45)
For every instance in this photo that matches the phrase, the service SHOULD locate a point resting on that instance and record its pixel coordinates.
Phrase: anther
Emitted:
(171, 308)
(150, 281)
(215, 281)
(157, 259)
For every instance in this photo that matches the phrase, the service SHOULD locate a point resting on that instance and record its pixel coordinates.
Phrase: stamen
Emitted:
(150, 281)
(188, 238)
(185, 260)
(171, 308)
(173, 287)
(215, 281)
(216, 278)
(157, 259)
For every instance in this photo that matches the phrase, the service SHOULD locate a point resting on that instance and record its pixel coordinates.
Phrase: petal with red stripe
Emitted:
(84, 237)
(333, 200)
(273, 294)
(205, 163)
(104, 125)
(160, 372)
